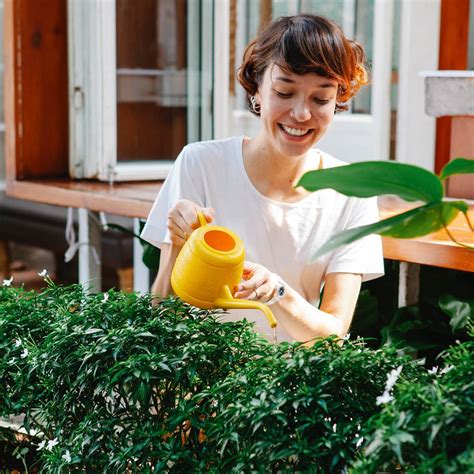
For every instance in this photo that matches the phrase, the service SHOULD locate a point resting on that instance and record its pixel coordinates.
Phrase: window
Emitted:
(366, 126)
(140, 84)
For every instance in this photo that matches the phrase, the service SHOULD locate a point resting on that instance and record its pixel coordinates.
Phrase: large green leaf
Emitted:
(457, 166)
(375, 178)
(414, 223)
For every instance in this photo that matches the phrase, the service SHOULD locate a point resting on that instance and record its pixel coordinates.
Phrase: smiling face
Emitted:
(295, 110)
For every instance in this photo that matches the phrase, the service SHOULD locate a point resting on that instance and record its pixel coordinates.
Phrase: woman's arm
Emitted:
(162, 285)
(300, 318)
(305, 321)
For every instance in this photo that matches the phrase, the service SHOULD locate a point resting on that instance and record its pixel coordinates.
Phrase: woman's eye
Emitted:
(284, 95)
(321, 101)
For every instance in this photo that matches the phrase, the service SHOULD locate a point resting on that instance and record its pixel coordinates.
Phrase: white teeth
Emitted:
(296, 132)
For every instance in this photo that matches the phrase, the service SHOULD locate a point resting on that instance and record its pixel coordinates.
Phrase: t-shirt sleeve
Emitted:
(364, 256)
(183, 182)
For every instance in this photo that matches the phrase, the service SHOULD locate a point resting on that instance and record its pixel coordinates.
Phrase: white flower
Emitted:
(43, 273)
(67, 456)
(41, 445)
(446, 369)
(85, 442)
(347, 336)
(52, 443)
(8, 282)
(392, 378)
(105, 298)
(384, 398)
(433, 371)
(11, 361)
(24, 353)
(17, 342)
(359, 441)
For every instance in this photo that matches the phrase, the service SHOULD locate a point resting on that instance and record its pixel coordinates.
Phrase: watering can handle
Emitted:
(202, 219)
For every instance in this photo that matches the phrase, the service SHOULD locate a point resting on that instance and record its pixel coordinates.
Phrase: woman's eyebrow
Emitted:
(284, 79)
(325, 85)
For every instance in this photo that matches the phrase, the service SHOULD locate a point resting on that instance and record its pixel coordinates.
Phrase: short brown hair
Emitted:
(301, 44)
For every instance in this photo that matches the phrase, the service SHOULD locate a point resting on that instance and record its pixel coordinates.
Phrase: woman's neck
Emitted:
(273, 174)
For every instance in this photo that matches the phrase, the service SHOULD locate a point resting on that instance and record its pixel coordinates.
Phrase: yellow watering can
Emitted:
(209, 265)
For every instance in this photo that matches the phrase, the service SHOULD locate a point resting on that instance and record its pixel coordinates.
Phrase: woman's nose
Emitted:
(300, 112)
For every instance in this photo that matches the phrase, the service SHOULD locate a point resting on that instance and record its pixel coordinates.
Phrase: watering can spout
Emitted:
(226, 300)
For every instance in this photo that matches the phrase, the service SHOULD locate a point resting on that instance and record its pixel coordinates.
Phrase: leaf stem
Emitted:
(451, 236)
(469, 223)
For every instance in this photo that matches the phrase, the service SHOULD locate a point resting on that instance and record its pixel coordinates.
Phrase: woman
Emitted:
(297, 74)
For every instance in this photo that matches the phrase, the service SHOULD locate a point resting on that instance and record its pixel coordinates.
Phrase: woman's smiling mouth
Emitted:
(295, 132)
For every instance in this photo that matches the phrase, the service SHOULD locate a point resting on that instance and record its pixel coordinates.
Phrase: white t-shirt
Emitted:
(280, 236)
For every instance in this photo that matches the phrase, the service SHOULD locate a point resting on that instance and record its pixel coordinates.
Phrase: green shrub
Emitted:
(300, 409)
(111, 377)
(429, 426)
(109, 383)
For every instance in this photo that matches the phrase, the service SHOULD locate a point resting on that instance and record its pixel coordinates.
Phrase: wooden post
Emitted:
(453, 46)
(36, 100)
(265, 13)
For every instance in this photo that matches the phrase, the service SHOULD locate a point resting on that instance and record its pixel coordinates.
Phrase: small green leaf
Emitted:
(434, 431)
(459, 311)
(92, 330)
(164, 366)
(414, 223)
(376, 178)
(457, 166)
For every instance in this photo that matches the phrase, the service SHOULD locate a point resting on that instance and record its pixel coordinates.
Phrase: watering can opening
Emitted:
(219, 240)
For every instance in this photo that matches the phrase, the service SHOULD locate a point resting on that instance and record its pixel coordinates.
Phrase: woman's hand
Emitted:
(183, 220)
(259, 283)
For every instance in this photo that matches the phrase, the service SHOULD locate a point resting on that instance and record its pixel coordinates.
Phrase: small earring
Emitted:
(255, 104)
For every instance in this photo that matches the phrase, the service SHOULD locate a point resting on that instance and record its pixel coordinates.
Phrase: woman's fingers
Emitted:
(186, 215)
(260, 293)
(256, 285)
(177, 235)
(209, 213)
(183, 220)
